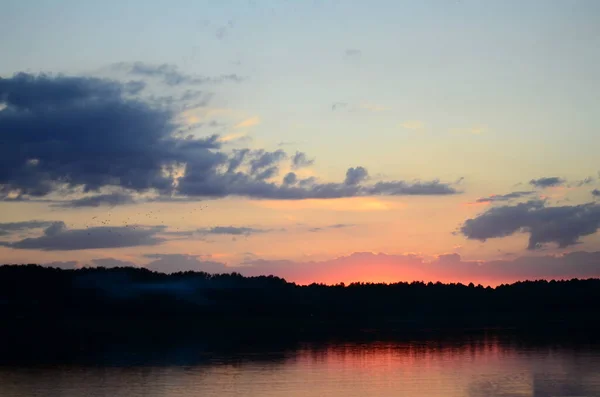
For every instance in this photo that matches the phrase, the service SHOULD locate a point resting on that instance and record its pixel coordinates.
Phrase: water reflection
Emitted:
(473, 367)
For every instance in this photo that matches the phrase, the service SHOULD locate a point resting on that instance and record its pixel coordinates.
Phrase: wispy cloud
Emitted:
(289, 143)
(504, 197)
(330, 227)
(352, 53)
(233, 230)
(353, 107)
(413, 125)
(471, 130)
(202, 114)
(236, 136)
(252, 121)
(354, 204)
(338, 105)
(170, 263)
(545, 182)
(586, 181)
(372, 107)
(170, 74)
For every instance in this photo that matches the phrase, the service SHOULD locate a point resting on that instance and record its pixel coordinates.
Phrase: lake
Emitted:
(456, 367)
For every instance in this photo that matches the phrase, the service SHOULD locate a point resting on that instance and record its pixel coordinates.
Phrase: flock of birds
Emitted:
(127, 223)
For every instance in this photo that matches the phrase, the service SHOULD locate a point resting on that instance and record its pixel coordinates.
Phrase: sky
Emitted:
(327, 141)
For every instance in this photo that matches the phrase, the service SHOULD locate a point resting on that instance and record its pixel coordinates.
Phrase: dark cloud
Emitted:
(401, 188)
(236, 159)
(170, 74)
(79, 131)
(110, 200)
(290, 178)
(170, 199)
(21, 198)
(596, 193)
(13, 227)
(263, 159)
(328, 227)
(26, 91)
(301, 160)
(563, 225)
(58, 238)
(135, 87)
(65, 133)
(306, 182)
(172, 263)
(241, 184)
(267, 173)
(355, 176)
(55, 229)
(504, 197)
(547, 182)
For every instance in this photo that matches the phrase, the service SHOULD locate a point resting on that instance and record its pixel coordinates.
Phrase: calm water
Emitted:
(483, 367)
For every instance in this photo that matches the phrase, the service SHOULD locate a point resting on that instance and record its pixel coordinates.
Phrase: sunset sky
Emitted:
(314, 140)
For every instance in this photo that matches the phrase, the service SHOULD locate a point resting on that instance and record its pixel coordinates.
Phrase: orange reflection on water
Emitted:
(463, 367)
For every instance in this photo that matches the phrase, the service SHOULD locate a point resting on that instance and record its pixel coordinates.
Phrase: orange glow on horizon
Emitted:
(341, 204)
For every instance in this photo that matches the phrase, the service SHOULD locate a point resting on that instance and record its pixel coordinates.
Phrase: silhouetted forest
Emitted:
(137, 302)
